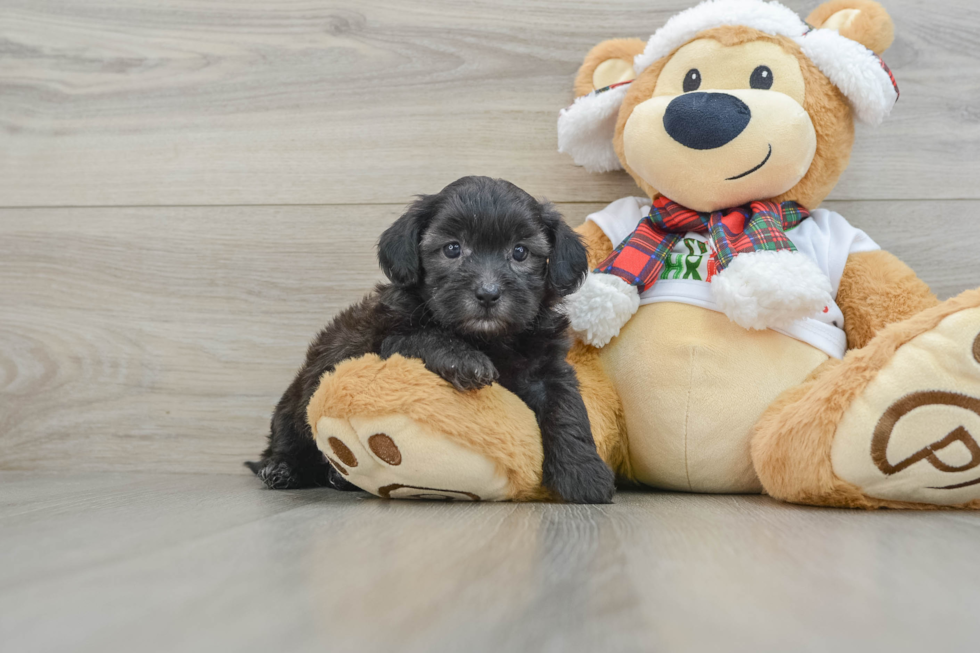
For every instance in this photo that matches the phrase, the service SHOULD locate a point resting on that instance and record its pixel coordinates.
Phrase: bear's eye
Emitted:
(520, 253)
(761, 78)
(451, 250)
(692, 80)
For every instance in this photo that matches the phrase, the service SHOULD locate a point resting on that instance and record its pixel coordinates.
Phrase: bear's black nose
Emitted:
(705, 121)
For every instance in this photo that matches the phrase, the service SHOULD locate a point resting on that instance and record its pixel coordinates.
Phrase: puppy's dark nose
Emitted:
(488, 294)
(705, 121)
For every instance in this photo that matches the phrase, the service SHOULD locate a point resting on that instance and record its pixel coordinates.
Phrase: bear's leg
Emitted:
(393, 428)
(894, 424)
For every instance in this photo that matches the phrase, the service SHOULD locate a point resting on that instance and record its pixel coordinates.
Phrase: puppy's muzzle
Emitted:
(488, 294)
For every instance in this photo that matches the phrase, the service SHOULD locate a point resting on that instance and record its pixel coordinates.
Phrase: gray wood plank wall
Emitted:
(190, 188)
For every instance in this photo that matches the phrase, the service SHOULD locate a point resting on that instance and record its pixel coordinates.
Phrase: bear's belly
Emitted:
(693, 384)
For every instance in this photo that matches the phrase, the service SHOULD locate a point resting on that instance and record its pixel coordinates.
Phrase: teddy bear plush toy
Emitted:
(734, 337)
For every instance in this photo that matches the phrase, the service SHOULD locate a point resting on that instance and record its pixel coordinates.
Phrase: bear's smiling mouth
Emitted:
(749, 172)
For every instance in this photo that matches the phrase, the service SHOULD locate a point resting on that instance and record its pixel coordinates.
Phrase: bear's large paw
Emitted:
(911, 435)
(397, 430)
(892, 425)
(395, 457)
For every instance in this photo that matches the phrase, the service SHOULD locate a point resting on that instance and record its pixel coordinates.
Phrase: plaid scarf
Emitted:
(640, 259)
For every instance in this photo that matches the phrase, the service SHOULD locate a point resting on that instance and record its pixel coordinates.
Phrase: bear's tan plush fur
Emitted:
(825, 104)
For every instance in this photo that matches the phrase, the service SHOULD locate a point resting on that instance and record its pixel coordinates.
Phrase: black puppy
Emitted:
(476, 272)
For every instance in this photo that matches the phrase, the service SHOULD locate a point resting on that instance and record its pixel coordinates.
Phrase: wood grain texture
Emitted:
(161, 338)
(164, 337)
(207, 102)
(210, 562)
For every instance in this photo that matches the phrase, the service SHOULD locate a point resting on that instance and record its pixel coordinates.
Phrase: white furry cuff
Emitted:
(600, 308)
(766, 289)
(586, 129)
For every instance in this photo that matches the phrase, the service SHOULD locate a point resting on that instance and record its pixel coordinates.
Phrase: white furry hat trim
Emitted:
(585, 129)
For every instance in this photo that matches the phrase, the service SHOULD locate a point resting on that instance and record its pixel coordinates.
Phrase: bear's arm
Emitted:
(595, 240)
(876, 290)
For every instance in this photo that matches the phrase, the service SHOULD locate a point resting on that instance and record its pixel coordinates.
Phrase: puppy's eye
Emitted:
(451, 250)
(692, 80)
(761, 78)
(520, 253)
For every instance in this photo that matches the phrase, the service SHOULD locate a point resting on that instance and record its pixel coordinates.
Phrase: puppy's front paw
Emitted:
(278, 475)
(470, 370)
(585, 481)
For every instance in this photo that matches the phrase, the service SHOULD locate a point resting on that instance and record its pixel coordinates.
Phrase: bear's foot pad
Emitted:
(395, 457)
(911, 436)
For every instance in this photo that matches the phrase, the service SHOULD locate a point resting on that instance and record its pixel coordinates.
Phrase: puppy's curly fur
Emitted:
(477, 272)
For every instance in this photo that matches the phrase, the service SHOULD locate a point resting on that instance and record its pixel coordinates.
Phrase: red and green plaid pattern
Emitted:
(640, 259)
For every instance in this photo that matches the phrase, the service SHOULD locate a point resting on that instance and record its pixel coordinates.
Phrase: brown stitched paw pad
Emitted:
(342, 451)
(395, 457)
(385, 449)
(911, 435)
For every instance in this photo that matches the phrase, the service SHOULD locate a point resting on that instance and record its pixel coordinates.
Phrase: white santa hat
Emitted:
(585, 129)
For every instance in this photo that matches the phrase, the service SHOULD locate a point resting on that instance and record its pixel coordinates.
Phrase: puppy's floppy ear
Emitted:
(398, 248)
(569, 262)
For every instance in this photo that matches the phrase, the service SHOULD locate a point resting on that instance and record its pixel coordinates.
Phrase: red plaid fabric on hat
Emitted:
(640, 259)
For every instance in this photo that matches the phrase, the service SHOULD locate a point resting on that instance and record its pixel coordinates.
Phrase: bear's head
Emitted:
(733, 101)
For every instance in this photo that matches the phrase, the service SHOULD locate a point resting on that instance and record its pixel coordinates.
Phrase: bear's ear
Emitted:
(608, 63)
(864, 21)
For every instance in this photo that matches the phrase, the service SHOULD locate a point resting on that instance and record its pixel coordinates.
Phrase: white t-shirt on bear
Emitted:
(825, 237)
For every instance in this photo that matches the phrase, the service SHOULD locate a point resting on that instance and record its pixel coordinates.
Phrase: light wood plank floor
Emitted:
(190, 188)
(118, 561)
